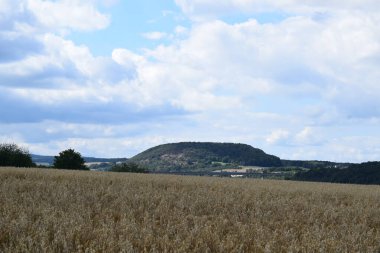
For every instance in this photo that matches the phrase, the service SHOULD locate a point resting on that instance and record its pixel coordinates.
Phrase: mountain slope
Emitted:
(203, 156)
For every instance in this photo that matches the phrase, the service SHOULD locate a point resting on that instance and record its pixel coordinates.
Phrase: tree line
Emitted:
(364, 173)
(11, 155)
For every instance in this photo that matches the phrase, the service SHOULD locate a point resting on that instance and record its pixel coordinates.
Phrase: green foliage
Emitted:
(203, 156)
(314, 164)
(128, 167)
(69, 159)
(365, 173)
(14, 156)
(104, 160)
(106, 166)
(41, 159)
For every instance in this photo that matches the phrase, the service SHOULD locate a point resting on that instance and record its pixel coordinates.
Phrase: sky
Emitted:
(111, 78)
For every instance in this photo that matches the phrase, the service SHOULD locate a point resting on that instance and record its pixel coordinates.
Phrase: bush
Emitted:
(69, 159)
(128, 167)
(13, 155)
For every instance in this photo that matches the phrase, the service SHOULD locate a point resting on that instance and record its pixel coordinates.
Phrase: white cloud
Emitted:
(200, 101)
(278, 136)
(348, 149)
(68, 14)
(180, 30)
(127, 58)
(287, 86)
(154, 35)
(206, 9)
(299, 56)
(309, 136)
(108, 3)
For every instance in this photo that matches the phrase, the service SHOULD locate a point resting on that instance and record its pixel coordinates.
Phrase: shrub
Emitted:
(69, 159)
(13, 155)
(128, 167)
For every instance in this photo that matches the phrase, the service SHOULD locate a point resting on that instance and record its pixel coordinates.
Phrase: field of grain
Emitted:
(66, 211)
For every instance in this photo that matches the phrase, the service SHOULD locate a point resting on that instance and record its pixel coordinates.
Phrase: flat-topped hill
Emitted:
(203, 156)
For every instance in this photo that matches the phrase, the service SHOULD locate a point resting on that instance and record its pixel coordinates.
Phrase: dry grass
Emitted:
(62, 211)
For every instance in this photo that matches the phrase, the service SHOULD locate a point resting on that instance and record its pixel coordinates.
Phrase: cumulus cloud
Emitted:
(277, 136)
(309, 136)
(36, 16)
(17, 47)
(154, 35)
(205, 9)
(68, 14)
(299, 56)
(280, 86)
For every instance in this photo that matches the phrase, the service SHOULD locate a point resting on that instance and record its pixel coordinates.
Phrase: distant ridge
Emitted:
(49, 160)
(198, 156)
(314, 164)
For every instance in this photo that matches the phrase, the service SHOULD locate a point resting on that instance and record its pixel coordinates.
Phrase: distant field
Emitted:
(243, 169)
(65, 211)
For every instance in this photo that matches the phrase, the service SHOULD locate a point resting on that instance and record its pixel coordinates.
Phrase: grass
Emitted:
(66, 211)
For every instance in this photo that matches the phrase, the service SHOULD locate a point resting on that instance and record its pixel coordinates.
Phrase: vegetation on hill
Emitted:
(104, 160)
(314, 164)
(15, 156)
(128, 167)
(365, 173)
(203, 156)
(75, 211)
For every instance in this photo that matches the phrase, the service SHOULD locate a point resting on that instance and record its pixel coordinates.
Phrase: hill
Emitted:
(365, 173)
(203, 156)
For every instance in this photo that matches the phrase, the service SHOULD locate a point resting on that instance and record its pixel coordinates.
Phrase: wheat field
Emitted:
(66, 211)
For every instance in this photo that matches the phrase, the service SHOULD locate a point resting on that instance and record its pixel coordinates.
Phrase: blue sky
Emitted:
(111, 78)
(129, 21)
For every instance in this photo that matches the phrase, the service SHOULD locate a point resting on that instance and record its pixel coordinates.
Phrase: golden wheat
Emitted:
(66, 211)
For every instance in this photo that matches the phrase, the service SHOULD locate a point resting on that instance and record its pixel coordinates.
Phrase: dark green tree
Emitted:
(69, 159)
(364, 173)
(13, 155)
(128, 167)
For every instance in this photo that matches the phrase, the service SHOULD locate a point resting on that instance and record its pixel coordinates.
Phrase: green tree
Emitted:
(69, 159)
(13, 155)
(128, 167)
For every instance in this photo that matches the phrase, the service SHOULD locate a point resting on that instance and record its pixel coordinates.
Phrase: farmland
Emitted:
(68, 211)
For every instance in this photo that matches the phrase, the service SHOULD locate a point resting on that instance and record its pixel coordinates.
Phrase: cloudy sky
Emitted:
(110, 78)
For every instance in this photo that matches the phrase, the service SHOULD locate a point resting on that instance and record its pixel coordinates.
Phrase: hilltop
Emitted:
(197, 156)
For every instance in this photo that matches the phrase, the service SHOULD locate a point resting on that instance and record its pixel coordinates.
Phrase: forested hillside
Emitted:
(203, 156)
(365, 173)
(314, 164)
